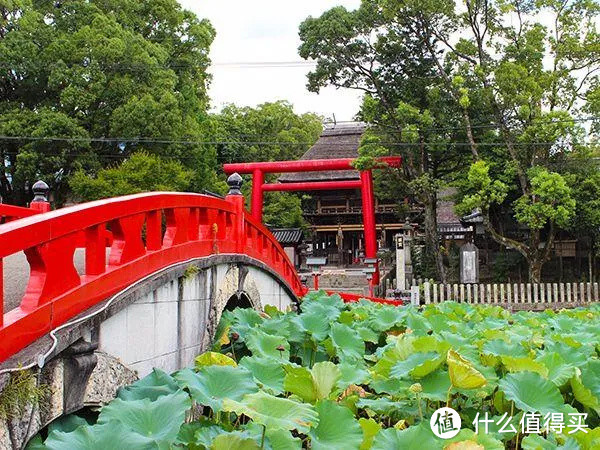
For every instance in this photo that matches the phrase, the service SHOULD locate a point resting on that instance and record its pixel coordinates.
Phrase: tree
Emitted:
(511, 89)
(534, 77)
(283, 209)
(141, 172)
(411, 114)
(269, 132)
(102, 79)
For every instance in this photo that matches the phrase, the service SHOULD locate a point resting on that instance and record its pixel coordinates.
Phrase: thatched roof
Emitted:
(342, 141)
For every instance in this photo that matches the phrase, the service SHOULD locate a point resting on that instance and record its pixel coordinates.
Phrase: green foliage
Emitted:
(294, 388)
(141, 172)
(20, 392)
(550, 201)
(80, 70)
(283, 209)
(483, 191)
(268, 132)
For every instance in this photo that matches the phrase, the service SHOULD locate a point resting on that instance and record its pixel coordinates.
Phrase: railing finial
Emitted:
(40, 192)
(235, 182)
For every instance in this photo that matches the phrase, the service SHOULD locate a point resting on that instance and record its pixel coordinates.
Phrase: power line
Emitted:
(488, 126)
(147, 140)
(133, 66)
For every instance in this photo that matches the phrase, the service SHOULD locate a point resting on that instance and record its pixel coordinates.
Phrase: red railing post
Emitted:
(258, 179)
(1, 292)
(40, 197)
(154, 230)
(235, 197)
(368, 208)
(95, 250)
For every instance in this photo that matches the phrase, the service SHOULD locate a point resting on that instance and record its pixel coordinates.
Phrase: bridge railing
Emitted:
(144, 233)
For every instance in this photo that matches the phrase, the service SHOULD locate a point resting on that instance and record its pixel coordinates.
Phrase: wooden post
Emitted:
(516, 293)
(581, 292)
(569, 295)
(426, 292)
(528, 292)
(509, 298)
(542, 293)
(488, 293)
(482, 293)
(555, 290)
(589, 292)
(462, 293)
(575, 296)
(549, 292)
(469, 296)
(522, 292)
(435, 292)
(561, 289)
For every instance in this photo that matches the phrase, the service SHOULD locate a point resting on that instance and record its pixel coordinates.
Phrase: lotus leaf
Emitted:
(101, 437)
(418, 436)
(462, 373)
(213, 359)
(234, 441)
(267, 345)
(158, 420)
(274, 412)
(214, 383)
(417, 365)
(523, 363)
(268, 372)
(312, 385)
(347, 342)
(531, 392)
(152, 386)
(337, 429)
(369, 428)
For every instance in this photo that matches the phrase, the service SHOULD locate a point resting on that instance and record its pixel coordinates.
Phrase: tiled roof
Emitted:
(341, 141)
(288, 236)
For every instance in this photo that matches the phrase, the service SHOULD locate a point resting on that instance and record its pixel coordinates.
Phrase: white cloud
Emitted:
(267, 31)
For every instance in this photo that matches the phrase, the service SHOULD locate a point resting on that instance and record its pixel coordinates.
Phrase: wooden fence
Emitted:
(509, 293)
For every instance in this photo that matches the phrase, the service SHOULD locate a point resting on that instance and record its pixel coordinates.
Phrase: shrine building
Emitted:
(335, 217)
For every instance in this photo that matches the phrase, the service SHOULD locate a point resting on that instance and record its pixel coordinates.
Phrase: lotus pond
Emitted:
(363, 375)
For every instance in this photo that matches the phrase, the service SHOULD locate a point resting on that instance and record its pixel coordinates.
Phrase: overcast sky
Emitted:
(262, 31)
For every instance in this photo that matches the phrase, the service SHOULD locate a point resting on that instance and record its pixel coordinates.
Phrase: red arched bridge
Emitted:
(128, 238)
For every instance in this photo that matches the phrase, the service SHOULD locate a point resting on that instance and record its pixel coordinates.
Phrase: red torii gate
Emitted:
(365, 184)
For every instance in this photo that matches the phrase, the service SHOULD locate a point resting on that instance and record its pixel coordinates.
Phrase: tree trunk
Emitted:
(535, 269)
(590, 267)
(432, 241)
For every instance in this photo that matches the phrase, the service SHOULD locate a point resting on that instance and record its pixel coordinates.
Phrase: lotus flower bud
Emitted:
(416, 388)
